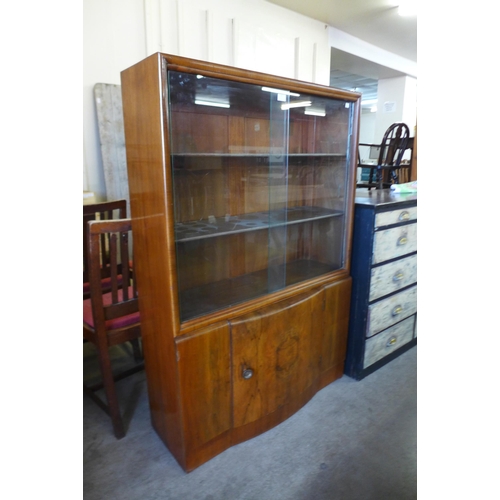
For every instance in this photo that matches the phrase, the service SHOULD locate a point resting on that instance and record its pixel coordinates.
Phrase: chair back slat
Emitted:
(123, 300)
(124, 263)
(108, 210)
(113, 265)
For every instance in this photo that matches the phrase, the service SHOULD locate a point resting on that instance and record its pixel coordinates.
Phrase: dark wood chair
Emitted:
(390, 167)
(108, 210)
(111, 317)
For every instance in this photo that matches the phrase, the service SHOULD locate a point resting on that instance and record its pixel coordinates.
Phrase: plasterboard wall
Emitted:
(251, 34)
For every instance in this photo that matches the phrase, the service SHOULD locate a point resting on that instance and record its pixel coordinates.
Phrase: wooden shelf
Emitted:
(214, 296)
(203, 160)
(232, 224)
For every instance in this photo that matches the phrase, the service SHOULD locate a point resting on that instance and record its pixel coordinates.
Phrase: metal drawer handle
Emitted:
(402, 241)
(404, 215)
(247, 373)
(398, 276)
(391, 341)
(397, 310)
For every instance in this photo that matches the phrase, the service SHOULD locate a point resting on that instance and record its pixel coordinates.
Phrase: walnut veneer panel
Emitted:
(284, 349)
(152, 213)
(205, 376)
(277, 345)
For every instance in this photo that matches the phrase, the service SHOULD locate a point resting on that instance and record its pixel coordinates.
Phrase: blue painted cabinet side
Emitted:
(363, 235)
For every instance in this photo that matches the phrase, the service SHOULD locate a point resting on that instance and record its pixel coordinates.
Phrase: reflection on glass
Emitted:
(259, 182)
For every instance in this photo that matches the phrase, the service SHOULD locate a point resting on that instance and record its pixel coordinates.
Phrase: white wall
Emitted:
(113, 39)
(396, 102)
(348, 43)
(367, 123)
(251, 34)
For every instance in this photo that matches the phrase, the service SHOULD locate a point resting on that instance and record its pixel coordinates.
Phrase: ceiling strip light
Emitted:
(299, 104)
(279, 91)
(210, 103)
(314, 113)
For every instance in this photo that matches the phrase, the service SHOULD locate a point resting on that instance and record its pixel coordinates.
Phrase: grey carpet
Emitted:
(352, 441)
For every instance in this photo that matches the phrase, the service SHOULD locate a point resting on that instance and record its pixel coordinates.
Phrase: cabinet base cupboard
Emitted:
(242, 193)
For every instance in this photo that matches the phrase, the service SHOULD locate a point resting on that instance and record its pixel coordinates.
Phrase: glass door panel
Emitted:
(278, 188)
(259, 188)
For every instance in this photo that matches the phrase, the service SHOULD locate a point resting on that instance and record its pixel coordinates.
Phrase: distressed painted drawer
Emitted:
(387, 312)
(395, 242)
(395, 216)
(389, 340)
(392, 277)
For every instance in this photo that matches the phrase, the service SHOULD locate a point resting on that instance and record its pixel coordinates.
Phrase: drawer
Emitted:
(395, 216)
(393, 276)
(395, 242)
(389, 340)
(387, 312)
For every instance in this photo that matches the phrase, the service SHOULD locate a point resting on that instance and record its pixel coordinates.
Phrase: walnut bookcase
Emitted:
(241, 192)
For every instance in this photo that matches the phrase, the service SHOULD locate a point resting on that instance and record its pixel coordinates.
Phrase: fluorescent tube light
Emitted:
(299, 104)
(312, 112)
(279, 91)
(210, 103)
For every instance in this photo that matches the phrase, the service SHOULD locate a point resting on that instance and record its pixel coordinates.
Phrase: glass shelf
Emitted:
(232, 224)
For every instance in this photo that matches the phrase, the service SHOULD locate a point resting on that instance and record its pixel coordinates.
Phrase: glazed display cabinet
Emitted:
(241, 191)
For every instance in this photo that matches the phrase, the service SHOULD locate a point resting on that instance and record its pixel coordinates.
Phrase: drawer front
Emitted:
(395, 216)
(392, 277)
(395, 242)
(387, 312)
(389, 340)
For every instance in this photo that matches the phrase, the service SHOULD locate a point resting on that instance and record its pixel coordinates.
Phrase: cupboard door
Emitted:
(276, 353)
(204, 376)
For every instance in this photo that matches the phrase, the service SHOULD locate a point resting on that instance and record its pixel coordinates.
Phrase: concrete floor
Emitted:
(352, 441)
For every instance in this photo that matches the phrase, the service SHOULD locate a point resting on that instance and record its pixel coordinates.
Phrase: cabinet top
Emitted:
(185, 64)
(382, 197)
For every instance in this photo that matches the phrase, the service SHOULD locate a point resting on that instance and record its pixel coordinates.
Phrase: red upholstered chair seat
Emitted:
(111, 324)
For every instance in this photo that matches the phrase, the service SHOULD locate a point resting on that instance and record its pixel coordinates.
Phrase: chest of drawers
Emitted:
(383, 315)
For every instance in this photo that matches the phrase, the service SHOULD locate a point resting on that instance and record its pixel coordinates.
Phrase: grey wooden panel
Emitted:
(388, 341)
(108, 99)
(387, 312)
(392, 277)
(395, 242)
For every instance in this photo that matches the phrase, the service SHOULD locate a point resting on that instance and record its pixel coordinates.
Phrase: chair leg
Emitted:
(137, 350)
(110, 391)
